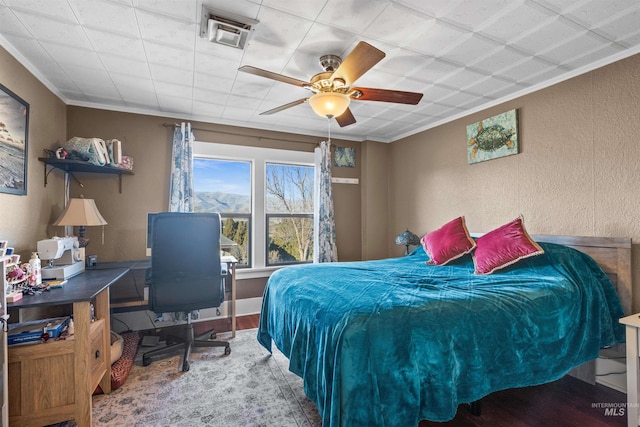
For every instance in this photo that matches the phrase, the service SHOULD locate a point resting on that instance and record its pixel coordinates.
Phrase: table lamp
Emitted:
(407, 238)
(82, 213)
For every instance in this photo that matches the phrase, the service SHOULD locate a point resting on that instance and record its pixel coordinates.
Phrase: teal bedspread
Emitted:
(395, 341)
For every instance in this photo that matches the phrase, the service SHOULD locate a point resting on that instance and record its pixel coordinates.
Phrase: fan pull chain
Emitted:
(329, 129)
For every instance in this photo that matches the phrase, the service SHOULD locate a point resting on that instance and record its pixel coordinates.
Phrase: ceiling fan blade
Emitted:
(385, 95)
(284, 107)
(273, 76)
(346, 118)
(358, 62)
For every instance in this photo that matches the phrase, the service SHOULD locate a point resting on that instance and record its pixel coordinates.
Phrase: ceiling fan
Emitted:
(332, 91)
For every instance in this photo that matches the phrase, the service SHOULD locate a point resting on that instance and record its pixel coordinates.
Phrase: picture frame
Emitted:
(14, 134)
(493, 137)
(344, 157)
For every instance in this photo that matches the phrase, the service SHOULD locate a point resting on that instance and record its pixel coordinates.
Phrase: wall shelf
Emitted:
(70, 166)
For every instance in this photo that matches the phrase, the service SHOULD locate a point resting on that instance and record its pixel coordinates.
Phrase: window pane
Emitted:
(222, 186)
(238, 230)
(290, 239)
(289, 188)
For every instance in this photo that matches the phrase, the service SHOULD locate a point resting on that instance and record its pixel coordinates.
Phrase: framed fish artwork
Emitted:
(492, 138)
(14, 131)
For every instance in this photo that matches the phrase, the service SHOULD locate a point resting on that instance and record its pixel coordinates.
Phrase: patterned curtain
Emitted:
(181, 186)
(325, 249)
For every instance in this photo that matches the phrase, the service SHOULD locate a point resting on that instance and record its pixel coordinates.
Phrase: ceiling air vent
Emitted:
(226, 28)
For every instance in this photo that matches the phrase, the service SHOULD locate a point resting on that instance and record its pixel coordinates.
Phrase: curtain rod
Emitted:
(168, 125)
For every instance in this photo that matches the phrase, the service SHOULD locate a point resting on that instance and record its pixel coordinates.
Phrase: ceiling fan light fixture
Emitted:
(329, 104)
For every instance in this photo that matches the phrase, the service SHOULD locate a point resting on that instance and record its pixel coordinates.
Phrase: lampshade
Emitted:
(407, 238)
(329, 104)
(81, 212)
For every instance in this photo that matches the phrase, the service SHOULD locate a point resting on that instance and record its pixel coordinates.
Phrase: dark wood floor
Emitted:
(566, 402)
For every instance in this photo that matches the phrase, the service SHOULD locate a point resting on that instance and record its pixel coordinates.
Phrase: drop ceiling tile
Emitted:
(240, 101)
(249, 87)
(40, 27)
(93, 82)
(170, 56)
(571, 48)
(58, 10)
(323, 39)
(175, 104)
(205, 47)
(471, 13)
(237, 113)
(522, 71)
(499, 59)
(458, 98)
(209, 82)
(104, 42)
(507, 91)
(596, 11)
(402, 62)
(210, 96)
(179, 9)
(122, 19)
(305, 9)
(264, 55)
(280, 29)
(246, 8)
(474, 48)
(364, 12)
(437, 37)
(69, 57)
(622, 26)
(166, 90)
(552, 33)
(459, 80)
(488, 85)
(173, 75)
(221, 67)
(516, 21)
(398, 25)
(207, 109)
(128, 66)
(586, 58)
(435, 8)
(10, 25)
(168, 31)
(435, 70)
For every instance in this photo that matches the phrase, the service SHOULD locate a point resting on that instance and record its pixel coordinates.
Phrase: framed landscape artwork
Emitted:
(492, 138)
(14, 130)
(344, 157)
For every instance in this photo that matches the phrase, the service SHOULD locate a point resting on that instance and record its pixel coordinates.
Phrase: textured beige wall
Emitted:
(25, 219)
(374, 195)
(578, 171)
(149, 143)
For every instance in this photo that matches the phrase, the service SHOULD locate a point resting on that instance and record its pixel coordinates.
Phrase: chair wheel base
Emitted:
(146, 361)
(185, 366)
(227, 351)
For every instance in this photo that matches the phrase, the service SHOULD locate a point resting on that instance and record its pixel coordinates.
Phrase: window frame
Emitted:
(259, 158)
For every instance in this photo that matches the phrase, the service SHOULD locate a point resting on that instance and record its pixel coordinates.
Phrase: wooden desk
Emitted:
(54, 381)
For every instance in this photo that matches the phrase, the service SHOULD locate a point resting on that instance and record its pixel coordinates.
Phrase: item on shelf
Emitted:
(92, 150)
(114, 147)
(127, 163)
(35, 331)
(35, 278)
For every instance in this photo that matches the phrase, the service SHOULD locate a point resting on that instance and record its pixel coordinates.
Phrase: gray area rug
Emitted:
(247, 388)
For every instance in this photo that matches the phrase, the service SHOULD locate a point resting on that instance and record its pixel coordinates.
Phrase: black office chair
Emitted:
(186, 275)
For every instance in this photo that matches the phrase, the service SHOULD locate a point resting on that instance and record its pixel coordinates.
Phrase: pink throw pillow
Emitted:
(448, 242)
(504, 246)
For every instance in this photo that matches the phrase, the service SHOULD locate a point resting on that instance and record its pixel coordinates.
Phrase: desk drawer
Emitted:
(97, 353)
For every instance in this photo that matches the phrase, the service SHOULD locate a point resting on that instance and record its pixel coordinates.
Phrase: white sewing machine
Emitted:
(63, 256)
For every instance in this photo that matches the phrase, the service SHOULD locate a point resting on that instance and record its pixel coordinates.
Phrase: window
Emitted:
(289, 213)
(224, 186)
(265, 199)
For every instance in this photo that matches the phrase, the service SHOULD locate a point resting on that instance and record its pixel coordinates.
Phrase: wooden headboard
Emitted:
(613, 254)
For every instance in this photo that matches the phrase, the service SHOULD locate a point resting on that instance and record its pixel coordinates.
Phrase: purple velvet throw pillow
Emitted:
(504, 246)
(448, 242)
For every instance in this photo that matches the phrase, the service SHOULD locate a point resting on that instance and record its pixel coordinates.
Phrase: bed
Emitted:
(395, 341)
